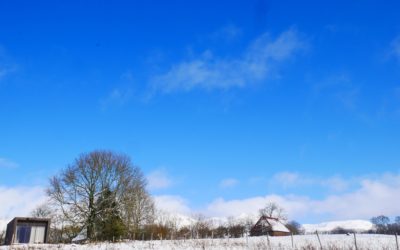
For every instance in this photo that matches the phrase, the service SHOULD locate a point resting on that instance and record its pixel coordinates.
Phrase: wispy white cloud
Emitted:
(374, 196)
(210, 72)
(287, 179)
(6, 163)
(225, 208)
(395, 47)
(228, 183)
(159, 179)
(227, 33)
(3, 72)
(172, 204)
(340, 87)
(336, 183)
(19, 201)
(117, 97)
(6, 65)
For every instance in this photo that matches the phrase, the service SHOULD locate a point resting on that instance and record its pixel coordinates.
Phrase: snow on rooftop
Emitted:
(277, 225)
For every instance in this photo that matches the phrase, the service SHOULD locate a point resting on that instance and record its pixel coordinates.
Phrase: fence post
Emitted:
(319, 240)
(397, 243)
(269, 243)
(355, 240)
(291, 235)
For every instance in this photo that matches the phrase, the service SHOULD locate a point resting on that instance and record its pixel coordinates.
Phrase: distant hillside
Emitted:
(356, 225)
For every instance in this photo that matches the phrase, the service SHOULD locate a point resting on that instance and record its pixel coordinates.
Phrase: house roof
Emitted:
(29, 219)
(275, 224)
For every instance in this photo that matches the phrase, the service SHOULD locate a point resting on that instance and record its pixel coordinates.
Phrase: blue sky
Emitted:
(224, 105)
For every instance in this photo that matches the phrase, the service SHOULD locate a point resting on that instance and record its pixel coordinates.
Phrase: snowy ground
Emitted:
(307, 242)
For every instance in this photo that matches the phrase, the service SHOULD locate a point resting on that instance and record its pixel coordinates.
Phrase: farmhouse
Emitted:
(271, 226)
(27, 230)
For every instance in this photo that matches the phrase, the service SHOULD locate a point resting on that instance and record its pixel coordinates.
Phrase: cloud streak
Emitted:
(228, 183)
(395, 47)
(5, 163)
(287, 179)
(6, 66)
(373, 196)
(210, 72)
(158, 179)
(19, 201)
(172, 204)
(117, 97)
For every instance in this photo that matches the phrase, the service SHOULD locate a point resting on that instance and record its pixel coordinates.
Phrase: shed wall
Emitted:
(27, 230)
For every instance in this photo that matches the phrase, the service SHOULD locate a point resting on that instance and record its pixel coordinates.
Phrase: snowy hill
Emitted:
(176, 219)
(181, 220)
(356, 225)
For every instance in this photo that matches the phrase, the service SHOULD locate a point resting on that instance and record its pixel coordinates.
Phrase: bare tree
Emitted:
(248, 223)
(273, 210)
(397, 220)
(79, 186)
(138, 206)
(295, 227)
(380, 220)
(42, 211)
(202, 227)
(2, 237)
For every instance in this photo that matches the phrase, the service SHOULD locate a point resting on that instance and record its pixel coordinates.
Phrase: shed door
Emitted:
(23, 234)
(37, 234)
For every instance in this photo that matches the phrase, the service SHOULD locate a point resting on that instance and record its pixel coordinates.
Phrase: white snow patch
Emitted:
(364, 241)
(356, 225)
(277, 226)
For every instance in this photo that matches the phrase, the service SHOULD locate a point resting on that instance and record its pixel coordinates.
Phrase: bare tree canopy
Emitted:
(79, 190)
(273, 210)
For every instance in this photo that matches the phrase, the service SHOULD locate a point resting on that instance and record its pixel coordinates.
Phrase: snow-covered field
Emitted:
(307, 242)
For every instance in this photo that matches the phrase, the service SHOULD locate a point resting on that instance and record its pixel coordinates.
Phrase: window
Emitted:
(30, 233)
(23, 234)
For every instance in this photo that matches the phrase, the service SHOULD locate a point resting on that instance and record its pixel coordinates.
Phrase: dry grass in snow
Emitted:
(300, 242)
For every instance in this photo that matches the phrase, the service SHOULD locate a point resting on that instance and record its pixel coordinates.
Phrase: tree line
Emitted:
(383, 225)
(102, 196)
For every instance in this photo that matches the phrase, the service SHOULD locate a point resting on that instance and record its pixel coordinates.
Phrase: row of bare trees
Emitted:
(103, 196)
(383, 225)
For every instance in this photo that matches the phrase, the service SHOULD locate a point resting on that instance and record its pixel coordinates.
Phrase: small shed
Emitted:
(22, 230)
(271, 226)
